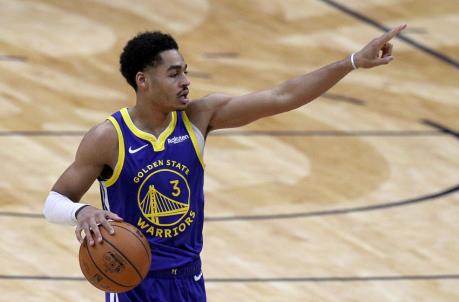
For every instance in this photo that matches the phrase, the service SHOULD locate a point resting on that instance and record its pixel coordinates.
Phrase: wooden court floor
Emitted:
(351, 198)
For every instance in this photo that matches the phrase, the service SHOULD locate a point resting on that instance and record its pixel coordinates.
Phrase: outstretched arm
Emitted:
(227, 111)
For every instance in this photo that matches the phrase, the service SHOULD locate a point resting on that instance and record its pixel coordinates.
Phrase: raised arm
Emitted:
(228, 111)
(94, 153)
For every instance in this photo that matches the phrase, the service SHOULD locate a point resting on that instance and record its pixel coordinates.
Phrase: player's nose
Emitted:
(185, 81)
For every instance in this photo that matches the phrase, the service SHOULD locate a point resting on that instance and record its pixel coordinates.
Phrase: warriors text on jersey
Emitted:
(157, 185)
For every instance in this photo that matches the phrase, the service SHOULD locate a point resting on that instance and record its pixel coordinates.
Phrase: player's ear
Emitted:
(141, 80)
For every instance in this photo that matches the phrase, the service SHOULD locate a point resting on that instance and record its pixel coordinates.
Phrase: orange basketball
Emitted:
(120, 262)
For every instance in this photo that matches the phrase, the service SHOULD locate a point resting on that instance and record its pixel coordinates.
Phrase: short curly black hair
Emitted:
(143, 50)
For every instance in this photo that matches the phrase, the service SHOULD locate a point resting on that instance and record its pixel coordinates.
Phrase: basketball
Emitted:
(120, 262)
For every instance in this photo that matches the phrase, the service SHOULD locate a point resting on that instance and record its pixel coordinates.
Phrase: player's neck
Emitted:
(149, 119)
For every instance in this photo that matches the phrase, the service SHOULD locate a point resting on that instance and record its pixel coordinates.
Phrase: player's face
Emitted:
(169, 81)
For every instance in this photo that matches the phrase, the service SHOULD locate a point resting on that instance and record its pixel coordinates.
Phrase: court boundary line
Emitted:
(439, 130)
(405, 278)
(342, 211)
(332, 133)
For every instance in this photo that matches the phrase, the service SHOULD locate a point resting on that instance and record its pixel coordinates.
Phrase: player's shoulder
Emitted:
(102, 131)
(101, 136)
(99, 144)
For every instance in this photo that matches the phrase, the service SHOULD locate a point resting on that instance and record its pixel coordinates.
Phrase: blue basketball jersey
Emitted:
(157, 186)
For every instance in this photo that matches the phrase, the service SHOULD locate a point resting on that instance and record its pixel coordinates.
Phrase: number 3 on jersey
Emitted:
(175, 187)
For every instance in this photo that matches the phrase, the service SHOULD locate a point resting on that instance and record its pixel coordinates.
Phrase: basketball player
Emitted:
(148, 158)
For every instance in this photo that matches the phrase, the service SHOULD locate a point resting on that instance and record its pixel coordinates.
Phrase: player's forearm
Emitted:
(301, 90)
(60, 209)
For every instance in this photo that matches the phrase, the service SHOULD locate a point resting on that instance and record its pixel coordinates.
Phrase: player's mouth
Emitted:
(183, 96)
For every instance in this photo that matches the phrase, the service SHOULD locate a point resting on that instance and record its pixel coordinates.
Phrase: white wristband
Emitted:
(60, 209)
(354, 66)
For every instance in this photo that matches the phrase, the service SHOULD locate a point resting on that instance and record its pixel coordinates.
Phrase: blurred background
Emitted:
(350, 198)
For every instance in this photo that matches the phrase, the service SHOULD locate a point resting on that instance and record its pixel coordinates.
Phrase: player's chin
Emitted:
(183, 102)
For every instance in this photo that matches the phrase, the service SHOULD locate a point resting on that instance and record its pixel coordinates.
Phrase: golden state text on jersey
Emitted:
(157, 185)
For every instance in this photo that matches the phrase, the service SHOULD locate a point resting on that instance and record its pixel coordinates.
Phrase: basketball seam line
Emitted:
(146, 249)
(100, 270)
(135, 268)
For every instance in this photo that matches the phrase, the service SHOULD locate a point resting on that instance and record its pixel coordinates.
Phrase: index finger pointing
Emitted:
(390, 34)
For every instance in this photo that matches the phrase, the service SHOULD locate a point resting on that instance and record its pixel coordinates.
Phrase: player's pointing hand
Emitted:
(378, 51)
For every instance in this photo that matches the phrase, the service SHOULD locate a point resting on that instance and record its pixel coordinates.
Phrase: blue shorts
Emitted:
(184, 284)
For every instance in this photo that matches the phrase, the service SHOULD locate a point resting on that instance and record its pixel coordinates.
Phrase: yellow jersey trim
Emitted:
(157, 143)
(194, 140)
(120, 162)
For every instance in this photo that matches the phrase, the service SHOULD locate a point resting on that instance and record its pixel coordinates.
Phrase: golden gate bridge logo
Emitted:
(155, 205)
(159, 207)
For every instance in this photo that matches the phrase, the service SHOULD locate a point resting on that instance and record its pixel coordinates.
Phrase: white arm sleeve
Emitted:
(60, 209)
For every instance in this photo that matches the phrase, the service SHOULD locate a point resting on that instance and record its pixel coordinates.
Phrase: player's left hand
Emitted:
(378, 51)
